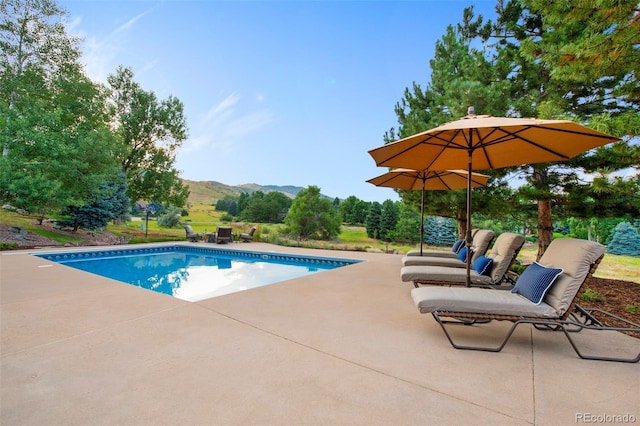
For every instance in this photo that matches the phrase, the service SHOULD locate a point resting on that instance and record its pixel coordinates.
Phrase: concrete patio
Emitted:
(345, 346)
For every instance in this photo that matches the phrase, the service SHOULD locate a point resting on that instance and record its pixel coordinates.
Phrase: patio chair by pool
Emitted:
(479, 246)
(192, 236)
(247, 236)
(487, 271)
(223, 235)
(544, 296)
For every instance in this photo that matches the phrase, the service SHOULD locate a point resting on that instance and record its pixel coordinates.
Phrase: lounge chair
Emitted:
(479, 246)
(577, 259)
(246, 237)
(503, 253)
(223, 235)
(443, 253)
(192, 236)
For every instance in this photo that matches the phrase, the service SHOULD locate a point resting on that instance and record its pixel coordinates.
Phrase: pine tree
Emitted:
(373, 220)
(625, 241)
(575, 60)
(439, 231)
(388, 219)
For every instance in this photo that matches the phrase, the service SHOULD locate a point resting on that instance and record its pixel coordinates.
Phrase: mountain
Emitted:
(208, 192)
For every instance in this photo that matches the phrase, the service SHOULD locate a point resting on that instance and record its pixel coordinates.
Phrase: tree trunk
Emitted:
(461, 218)
(545, 226)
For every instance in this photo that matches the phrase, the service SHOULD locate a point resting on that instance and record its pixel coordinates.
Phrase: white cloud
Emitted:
(73, 24)
(223, 108)
(129, 24)
(101, 55)
(227, 124)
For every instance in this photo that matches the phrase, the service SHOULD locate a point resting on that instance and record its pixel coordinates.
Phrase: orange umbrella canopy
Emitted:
(431, 180)
(426, 179)
(490, 143)
(482, 142)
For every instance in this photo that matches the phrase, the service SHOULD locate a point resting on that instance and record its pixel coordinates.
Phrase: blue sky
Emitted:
(275, 92)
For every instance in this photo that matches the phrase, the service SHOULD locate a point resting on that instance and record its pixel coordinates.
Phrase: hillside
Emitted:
(208, 192)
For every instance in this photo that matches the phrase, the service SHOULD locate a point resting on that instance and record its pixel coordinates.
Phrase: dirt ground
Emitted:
(616, 295)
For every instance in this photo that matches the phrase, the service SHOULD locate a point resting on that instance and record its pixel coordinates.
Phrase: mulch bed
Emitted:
(617, 296)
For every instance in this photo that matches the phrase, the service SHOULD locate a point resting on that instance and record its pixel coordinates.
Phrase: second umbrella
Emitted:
(442, 180)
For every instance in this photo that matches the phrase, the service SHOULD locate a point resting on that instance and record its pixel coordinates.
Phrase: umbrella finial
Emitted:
(471, 110)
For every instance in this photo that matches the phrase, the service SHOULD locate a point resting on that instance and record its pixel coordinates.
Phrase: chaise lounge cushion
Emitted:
(506, 246)
(444, 274)
(481, 240)
(433, 261)
(535, 281)
(477, 300)
(575, 257)
(502, 253)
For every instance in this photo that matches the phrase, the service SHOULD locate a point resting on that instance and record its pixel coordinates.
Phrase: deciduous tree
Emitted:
(149, 131)
(57, 149)
(312, 216)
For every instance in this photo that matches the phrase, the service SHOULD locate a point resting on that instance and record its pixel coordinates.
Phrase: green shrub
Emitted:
(170, 217)
(226, 217)
(591, 296)
(518, 268)
(634, 308)
(8, 246)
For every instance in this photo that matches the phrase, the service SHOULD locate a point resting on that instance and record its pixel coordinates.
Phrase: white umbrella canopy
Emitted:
(432, 180)
(482, 142)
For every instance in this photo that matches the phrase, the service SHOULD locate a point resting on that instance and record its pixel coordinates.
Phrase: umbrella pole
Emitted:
(468, 236)
(424, 180)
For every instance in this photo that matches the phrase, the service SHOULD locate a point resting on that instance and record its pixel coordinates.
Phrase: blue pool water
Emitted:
(195, 273)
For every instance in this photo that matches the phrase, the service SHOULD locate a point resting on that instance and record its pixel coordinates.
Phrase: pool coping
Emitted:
(191, 248)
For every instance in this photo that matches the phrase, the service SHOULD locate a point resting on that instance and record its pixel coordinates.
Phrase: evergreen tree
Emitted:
(354, 210)
(439, 231)
(110, 203)
(243, 202)
(372, 224)
(575, 60)
(460, 76)
(347, 209)
(625, 241)
(408, 226)
(388, 219)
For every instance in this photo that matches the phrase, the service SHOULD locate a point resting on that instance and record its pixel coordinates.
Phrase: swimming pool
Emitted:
(195, 273)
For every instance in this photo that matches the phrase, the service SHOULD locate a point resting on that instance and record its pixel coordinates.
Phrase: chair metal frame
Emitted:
(575, 319)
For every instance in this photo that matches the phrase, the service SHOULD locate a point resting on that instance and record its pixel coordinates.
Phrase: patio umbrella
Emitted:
(481, 142)
(437, 181)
